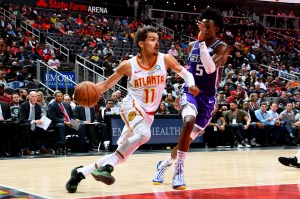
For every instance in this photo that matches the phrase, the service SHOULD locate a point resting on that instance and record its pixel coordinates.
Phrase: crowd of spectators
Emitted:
(254, 78)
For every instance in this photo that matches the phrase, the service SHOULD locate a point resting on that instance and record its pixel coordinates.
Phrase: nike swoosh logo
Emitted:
(137, 71)
(210, 101)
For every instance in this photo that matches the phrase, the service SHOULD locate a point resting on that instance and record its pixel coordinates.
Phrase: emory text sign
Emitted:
(61, 79)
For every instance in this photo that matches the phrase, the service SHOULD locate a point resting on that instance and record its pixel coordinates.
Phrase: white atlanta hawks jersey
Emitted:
(147, 85)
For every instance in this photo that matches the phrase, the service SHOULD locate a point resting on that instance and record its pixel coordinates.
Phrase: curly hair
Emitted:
(141, 34)
(214, 15)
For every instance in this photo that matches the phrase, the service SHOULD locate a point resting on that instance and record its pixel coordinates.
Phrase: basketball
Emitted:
(87, 94)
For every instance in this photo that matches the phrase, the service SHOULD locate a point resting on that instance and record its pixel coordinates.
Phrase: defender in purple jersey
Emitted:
(207, 55)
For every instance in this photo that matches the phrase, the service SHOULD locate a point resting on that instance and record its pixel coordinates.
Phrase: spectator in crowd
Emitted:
(282, 100)
(173, 51)
(4, 115)
(221, 98)
(23, 94)
(4, 97)
(58, 55)
(169, 102)
(177, 86)
(253, 102)
(114, 97)
(107, 51)
(41, 101)
(215, 134)
(61, 114)
(53, 62)
(15, 99)
(119, 95)
(162, 109)
(30, 114)
(85, 53)
(233, 97)
(255, 126)
(235, 118)
(103, 119)
(86, 116)
(2, 79)
(290, 124)
(68, 100)
(169, 89)
(276, 127)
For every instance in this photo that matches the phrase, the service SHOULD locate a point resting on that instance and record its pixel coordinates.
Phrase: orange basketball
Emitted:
(87, 94)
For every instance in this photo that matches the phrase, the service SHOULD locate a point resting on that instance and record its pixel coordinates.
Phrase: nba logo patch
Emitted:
(157, 67)
(131, 115)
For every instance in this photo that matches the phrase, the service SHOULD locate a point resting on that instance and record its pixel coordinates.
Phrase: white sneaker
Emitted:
(178, 178)
(160, 172)
(253, 143)
(240, 146)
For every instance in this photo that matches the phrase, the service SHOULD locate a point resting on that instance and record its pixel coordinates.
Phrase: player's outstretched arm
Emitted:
(123, 69)
(173, 64)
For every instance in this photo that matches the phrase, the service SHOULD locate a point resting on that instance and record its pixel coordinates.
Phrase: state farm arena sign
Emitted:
(78, 6)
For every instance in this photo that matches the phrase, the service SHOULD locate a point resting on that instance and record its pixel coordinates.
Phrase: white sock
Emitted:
(88, 169)
(298, 156)
(181, 155)
(113, 160)
(169, 160)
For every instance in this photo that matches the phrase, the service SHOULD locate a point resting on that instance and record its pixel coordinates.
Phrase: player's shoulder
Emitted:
(125, 63)
(222, 46)
(192, 43)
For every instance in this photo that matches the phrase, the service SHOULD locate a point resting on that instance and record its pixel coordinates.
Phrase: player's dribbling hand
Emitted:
(194, 90)
(202, 30)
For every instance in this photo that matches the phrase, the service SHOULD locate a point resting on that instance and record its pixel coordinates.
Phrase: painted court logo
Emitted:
(131, 115)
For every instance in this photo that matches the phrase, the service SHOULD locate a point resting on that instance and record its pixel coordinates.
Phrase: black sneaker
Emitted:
(290, 162)
(73, 182)
(103, 174)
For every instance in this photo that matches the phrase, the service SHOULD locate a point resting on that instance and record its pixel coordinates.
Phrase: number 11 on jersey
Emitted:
(149, 95)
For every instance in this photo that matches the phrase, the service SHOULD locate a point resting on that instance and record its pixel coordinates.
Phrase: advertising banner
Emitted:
(51, 79)
(163, 130)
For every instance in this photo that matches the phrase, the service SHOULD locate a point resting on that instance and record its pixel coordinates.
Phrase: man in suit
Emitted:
(61, 114)
(29, 117)
(86, 115)
(104, 121)
(4, 126)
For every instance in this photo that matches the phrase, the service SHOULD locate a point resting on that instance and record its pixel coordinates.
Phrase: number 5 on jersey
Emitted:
(199, 70)
(149, 95)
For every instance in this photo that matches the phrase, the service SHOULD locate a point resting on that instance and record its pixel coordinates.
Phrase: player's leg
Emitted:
(291, 161)
(79, 173)
(163, 165)
(141, 134)
(205, 107)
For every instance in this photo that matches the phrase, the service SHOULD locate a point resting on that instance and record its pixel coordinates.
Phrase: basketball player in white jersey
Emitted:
(206, 59)
(147, 77)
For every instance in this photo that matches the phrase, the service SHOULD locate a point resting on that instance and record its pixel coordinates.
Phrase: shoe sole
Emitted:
(182, 187)
(69, 189)
(157, 183)
(106, 179)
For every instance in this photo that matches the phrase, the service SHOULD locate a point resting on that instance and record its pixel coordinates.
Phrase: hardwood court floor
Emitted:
(236, 168)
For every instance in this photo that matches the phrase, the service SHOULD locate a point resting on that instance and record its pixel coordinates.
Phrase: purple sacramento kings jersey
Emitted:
(204, 103)
(207, 83)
